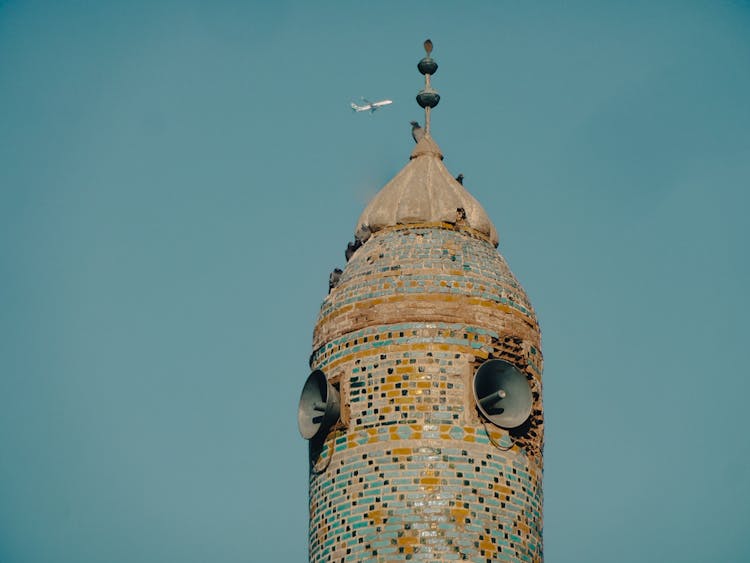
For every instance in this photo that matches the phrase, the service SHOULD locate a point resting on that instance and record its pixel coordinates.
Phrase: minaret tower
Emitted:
(424, 407)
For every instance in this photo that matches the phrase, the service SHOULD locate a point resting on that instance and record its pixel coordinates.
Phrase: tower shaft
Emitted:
(413, 471)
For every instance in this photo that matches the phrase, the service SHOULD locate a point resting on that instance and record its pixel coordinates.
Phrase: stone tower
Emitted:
(419, 462)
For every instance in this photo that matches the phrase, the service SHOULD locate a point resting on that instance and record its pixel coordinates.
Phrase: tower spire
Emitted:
(427, 98)
(424, 405)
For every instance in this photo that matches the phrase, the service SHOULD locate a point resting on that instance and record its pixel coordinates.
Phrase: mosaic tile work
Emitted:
(416, 501)
(434, 272)
(411, 471)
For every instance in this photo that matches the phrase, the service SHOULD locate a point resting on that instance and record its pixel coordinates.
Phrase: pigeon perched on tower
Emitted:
(334, 278)
(416, 131)
(351, 248)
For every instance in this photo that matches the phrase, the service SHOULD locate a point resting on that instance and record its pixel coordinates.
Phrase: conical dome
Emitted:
(425, 192)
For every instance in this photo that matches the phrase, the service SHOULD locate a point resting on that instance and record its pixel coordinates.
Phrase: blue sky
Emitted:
(177, 179)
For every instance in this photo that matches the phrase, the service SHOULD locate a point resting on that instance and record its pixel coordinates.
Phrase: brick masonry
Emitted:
(412, 471)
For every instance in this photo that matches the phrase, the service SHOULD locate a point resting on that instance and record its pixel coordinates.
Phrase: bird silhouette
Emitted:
(416, 131)
(351, 248)
(334, 278)
(460, 179)
(363, 234)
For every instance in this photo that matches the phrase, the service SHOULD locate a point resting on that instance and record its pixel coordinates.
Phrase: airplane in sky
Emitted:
(370, 106)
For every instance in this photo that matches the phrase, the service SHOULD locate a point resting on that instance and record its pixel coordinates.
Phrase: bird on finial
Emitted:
(428, 47)
(416, 131)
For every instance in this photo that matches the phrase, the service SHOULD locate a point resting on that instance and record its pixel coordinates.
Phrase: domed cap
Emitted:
(425, 192)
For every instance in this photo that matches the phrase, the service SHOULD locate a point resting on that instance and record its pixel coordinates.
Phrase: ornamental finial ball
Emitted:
(428, 98)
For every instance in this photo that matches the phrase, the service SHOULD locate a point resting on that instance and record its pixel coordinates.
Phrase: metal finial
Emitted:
(427, 98)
